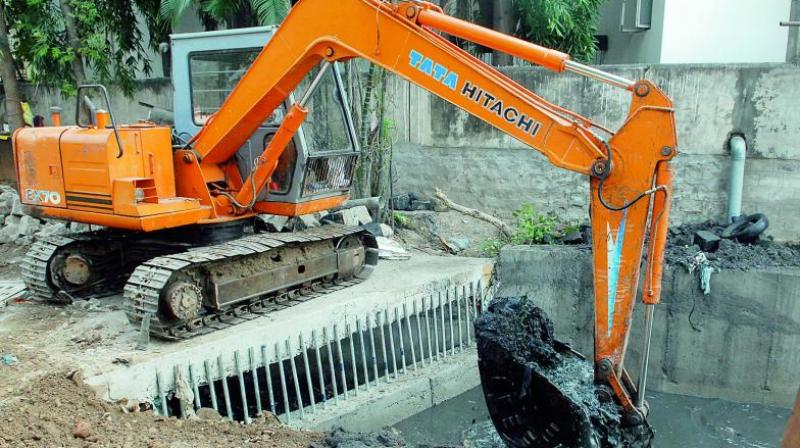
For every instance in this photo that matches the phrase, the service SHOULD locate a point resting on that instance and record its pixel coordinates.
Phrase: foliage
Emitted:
(565, 25)
(401, 219)
(531, 228)
(110, 45)
(235, 13)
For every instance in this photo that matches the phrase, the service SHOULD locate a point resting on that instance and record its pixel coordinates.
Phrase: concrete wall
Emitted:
(738, 343)
(631, 48)
(440, 146)
(699, 31)
(721, 31)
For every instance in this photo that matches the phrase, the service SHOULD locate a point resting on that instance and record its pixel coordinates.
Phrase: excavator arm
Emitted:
(629, 169)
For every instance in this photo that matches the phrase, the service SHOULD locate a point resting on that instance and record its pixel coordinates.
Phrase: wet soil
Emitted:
(766, 253)
(550, 389)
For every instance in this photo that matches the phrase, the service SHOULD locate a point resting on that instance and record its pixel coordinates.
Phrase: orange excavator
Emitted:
(176, 208)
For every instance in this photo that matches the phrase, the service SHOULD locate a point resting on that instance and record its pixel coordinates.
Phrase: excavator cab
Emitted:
(317, 166)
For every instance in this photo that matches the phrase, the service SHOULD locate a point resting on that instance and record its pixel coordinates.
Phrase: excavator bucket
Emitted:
(541, 393)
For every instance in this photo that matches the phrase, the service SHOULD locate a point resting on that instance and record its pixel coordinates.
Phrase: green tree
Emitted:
(566, 25)
(9, 70)
(233, 13)
(67, 42)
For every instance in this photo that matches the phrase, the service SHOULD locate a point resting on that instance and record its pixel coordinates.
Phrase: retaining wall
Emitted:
(437, 145)
(738, 343)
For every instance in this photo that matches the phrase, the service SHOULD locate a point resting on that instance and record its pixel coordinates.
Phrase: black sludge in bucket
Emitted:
(540, 393)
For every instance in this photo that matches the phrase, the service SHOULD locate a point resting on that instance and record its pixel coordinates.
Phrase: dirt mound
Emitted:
(56, 411)
(731, 254)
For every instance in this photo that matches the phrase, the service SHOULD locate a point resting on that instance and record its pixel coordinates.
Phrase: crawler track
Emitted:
(143, 292)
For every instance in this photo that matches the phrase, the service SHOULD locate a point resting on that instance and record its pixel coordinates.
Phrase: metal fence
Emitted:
(311, 371)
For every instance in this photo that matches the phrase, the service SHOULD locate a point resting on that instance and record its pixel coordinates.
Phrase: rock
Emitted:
(5, 209)
(576, 237)
(16, 207)
(419, 205)
(707, 241)
(460, 243)
(53, 228)
(376, 229)
(355, 216)
(271, 223)
(79, 227)
(28, 225)
(208, 414)
(82, 430)
(401, 202)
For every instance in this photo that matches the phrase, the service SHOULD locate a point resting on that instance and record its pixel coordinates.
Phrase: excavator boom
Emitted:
(629, 170)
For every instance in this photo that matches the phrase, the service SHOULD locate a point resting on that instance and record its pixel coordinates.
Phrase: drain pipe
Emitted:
(738, 147)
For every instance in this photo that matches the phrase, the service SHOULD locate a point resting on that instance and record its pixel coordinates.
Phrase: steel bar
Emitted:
(242, 391)
(251, 353)
(264, 359)
(399, 324)
(458, 313)
(452, 326)
(428, 327)
(331, 365)
(307, 368)
(474, 300)
(468, 317)
(211, 387)
(162, 395)
(410, 337)
(648, 333)
(226, 393)
(385, 351)
(391, 343)
(372, 349)
(176, 376)
(444, 328)
(284, 389)
(195, 388)
(320, 369)
(418, 320)
(353, 362)
(436, 327)
(342, 371)
(360, 332)
(295, 379)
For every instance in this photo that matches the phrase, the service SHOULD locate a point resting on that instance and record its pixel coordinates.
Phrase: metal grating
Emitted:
(329, 174)
(300, 374)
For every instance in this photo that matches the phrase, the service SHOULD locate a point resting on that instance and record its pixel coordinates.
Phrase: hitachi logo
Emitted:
(508, 113)
(433, 69)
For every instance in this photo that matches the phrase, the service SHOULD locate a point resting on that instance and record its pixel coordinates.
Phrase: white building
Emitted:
(694, 31)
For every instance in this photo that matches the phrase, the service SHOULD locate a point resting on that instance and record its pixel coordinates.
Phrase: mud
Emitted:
(682, 251)
(565, 397)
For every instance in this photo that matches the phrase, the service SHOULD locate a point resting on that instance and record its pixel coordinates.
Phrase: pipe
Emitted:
(738, 147)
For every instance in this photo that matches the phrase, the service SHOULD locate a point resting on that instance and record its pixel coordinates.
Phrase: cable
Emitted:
(630, 203)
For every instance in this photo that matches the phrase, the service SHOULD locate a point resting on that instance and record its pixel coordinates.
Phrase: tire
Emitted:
(747, 229)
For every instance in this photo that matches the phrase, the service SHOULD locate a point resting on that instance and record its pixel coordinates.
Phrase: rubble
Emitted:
(22, 229)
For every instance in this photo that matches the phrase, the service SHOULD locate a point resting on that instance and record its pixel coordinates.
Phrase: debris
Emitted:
(11, 290)
(707, 241)
(461, 244)
(504, 228)
(391, 250)
(401, 202)
(208, 414)
(376, 229)
(121, 361)
(417, 205)
(355, 216)
(10, 360)
(82, 430)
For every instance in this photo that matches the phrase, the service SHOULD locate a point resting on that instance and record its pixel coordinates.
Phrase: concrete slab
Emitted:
(96, 338)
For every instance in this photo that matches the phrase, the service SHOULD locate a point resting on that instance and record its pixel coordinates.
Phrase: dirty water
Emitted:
(678, 421)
